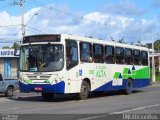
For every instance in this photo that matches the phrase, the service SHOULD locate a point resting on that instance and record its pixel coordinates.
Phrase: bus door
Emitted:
(71, 65)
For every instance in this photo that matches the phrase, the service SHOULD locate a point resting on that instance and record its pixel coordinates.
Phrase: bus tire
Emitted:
(9, 92)
(47, 96)
(129, 87)
(84, 92)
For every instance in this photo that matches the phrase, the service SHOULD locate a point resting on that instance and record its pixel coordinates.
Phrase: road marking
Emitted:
(121, 112)
(12, 109)
(134, 109)
(94, 117)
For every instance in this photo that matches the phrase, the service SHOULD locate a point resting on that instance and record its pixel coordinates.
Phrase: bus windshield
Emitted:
(41, 58)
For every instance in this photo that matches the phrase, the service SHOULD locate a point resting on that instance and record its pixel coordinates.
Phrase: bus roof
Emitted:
(112, 43)
(93, 40)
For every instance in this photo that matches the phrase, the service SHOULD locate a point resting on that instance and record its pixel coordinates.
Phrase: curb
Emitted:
(157, 83)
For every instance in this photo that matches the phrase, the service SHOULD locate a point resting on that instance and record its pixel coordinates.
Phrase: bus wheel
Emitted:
(47, 96)
(84, 92)
(129, 87)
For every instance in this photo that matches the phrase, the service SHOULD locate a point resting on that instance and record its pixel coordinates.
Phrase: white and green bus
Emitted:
(62, 64)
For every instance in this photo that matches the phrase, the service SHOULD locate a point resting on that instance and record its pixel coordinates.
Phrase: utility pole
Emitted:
(22, 17)
(153, 62)
(21, 4)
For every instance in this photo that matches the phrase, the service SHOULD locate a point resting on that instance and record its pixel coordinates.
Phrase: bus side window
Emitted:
(136, 57)
(128, 56)
(71, 54)
(98, 53)
(86, 52)
(119, 55)
(144, 57)
(109, 54)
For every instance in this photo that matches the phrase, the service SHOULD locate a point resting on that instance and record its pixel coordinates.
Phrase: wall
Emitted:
(14, 68)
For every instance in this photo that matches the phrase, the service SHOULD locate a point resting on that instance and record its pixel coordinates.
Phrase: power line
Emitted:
(36, 29)
(10, 25)
(40, 3)
(4, 6)
(9, 40)
(11, 34)
(79, 17)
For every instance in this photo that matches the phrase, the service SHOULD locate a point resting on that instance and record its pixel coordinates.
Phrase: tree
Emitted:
(157, 45)
(15, 46)
(132, 43)
(121, 40)
(6, 47)
(149, 45)
(90, 36)
(139, 43)
(113, 39)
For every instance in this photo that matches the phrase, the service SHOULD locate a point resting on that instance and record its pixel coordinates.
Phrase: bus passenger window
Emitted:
(86, 52)
(144, 57)
(119, 55)
(71, 54)
(136, 57)
(128, 56)
(98, 53)
(109, 54)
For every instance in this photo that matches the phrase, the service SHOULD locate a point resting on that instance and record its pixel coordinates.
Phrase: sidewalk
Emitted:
(157, 83)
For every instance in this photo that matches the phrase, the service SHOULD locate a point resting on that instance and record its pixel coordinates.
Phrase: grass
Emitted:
(158, 77)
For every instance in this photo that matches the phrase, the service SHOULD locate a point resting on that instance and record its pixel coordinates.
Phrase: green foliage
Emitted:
(6, 47)
(121, 40)
(132, 43)
(149, 45)
(157, 45)
(90, 36)
(15, 46)
(158, 77)
(113, 39)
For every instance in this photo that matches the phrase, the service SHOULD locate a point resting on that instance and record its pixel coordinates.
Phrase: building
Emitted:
(9, 62)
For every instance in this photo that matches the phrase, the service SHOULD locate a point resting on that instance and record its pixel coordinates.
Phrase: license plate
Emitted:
(38, 88)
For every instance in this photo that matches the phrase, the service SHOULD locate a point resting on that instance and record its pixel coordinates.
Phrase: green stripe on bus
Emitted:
(135, 74)
(116, 75)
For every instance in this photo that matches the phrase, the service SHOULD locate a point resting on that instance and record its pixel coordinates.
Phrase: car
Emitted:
(8, 86)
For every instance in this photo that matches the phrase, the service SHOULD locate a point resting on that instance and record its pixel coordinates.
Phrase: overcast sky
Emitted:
(132, 20)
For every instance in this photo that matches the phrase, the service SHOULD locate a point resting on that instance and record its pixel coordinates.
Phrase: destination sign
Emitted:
(41, 38)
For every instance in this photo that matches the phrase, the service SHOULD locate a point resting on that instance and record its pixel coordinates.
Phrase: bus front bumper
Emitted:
(55, 88)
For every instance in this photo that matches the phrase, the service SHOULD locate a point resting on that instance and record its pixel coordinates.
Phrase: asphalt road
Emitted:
(98, 107)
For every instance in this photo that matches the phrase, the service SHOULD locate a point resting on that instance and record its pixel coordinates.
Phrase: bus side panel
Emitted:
(101, 75)
(140, 76)
(76, 75)
(145, 82)
(112, 81)
(138, 83)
